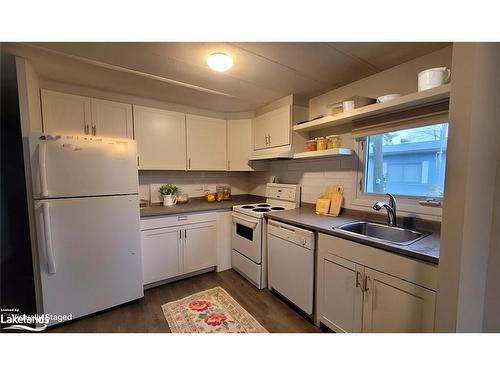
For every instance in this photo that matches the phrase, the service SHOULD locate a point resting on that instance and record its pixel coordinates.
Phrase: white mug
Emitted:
(169, 200)
(347, 105)
(434, 77)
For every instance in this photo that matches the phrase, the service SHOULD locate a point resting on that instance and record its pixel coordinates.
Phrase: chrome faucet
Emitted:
(391, 210)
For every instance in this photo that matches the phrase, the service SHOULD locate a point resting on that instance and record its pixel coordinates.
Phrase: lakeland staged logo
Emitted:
(32, 323)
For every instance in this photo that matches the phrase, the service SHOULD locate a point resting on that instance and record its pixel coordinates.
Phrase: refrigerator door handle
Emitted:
(49, 251)
(42, 167)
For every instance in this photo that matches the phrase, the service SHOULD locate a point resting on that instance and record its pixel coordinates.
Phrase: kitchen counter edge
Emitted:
(426, 249)
(198, 204)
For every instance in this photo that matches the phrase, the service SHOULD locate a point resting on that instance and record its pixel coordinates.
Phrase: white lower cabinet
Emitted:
(341, 297)
(162, 254)
(177, 245)
(394, 305)
(352, 296)
(200, 246)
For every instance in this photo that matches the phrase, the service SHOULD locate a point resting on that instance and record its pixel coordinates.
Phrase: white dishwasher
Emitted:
(291, 263)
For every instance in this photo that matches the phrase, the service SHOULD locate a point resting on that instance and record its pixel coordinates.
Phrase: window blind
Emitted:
(426, 115)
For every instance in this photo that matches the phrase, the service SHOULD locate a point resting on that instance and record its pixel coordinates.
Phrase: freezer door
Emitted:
(78, 166)
(89, 252)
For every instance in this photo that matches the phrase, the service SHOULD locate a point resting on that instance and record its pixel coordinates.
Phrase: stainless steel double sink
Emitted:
(381, 232)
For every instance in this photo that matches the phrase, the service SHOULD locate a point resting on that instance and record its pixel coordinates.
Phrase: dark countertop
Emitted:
(426, 249)
(199, 204)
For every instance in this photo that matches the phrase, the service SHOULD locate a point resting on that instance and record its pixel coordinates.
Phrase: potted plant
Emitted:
(168, 192)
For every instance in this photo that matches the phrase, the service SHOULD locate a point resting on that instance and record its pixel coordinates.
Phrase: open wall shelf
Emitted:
(405, 102)
(323, 153)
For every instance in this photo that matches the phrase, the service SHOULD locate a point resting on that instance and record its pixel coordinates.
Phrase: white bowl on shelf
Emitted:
(386, 98)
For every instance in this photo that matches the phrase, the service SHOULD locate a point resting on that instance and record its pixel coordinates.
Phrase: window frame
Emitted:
(405, 203)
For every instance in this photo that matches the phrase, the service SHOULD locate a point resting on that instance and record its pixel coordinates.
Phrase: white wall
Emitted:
(473, 147)
(491, 321)
(29, 96)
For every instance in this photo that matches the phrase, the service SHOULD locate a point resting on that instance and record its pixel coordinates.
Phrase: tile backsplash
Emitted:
(193, 183)
(312, 175)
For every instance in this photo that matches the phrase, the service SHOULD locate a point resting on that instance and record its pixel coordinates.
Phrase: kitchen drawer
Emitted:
(173, 220)
(412, 270)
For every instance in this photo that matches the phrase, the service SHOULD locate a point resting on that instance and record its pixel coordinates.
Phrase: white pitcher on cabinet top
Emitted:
(434, 77)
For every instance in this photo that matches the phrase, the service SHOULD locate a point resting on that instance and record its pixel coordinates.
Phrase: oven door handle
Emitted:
(245, 221)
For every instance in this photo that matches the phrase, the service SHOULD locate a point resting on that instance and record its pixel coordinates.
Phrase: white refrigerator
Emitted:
(87, 215)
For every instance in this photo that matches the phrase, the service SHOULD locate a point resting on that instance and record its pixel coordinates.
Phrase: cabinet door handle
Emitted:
(86, 129)
(189, 163)
(185, 234)
(366, 283)
(357, 281)
(228, 165)
(93, 130)
(180, 234)
(269, 139)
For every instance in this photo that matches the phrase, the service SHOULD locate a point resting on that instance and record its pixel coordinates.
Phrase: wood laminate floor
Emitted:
(146, 315)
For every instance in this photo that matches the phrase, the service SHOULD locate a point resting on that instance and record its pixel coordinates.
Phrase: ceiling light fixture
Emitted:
(220, 61)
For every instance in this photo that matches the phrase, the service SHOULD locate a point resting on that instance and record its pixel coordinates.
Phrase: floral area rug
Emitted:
(212, 310)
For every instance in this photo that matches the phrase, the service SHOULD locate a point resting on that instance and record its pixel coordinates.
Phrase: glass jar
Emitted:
(227, 193)
(219, 190)
(311, 145)
(321, 143)
(333, 141)
(210, 196)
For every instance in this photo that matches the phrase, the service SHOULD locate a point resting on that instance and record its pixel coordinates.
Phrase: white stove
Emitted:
(257, 210)
(249, 232)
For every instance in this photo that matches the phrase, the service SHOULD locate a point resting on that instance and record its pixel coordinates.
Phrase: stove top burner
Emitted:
(261, 210)
(247, 207)
(277, 208)
(263, 205)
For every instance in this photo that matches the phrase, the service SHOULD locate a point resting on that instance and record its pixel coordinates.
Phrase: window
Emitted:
(407, 162)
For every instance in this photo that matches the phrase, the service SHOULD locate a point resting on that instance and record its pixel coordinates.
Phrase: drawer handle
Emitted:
(181, 218)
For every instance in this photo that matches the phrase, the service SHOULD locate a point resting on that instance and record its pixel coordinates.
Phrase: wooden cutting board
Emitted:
(330, 202)
(336, 200)
(323, 206)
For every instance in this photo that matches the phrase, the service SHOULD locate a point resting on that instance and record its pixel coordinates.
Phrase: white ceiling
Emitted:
(177, 72)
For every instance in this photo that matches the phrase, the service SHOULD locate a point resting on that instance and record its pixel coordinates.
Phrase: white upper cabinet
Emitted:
(65, 113)
(112, 119)
(161, 138)
(73, 114)
(239, 144)
(273, 129)
(206, 143)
